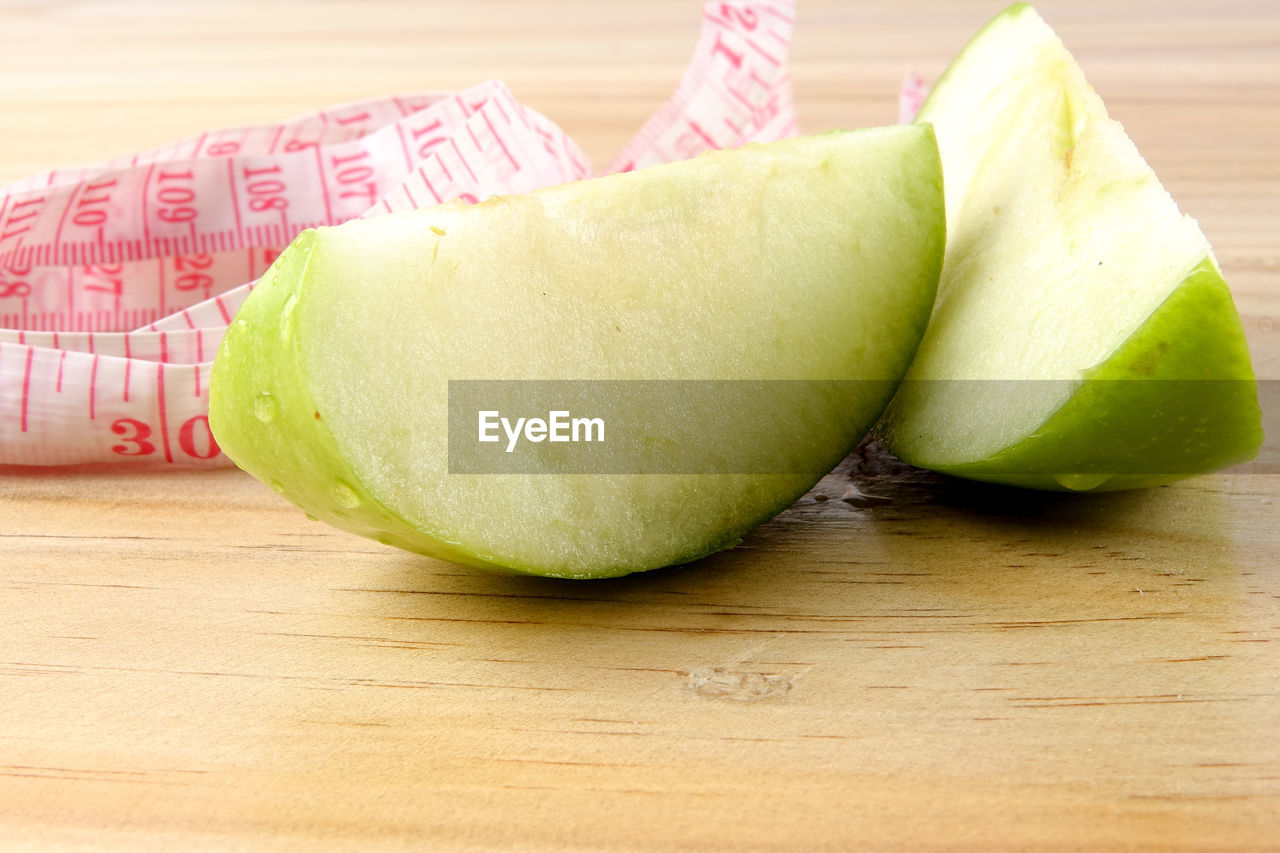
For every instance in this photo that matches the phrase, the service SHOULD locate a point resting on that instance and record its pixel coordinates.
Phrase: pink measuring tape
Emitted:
(118, 280)
(911, 97)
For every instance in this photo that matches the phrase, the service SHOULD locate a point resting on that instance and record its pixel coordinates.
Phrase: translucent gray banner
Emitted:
(794, 426)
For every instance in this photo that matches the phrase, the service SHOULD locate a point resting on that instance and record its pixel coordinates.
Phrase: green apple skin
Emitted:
(809, 259)
(1171, 393)
(1161, 396)
(265, 418)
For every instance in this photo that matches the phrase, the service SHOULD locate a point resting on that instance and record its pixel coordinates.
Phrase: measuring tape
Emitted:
(118, 280)
(911, 97)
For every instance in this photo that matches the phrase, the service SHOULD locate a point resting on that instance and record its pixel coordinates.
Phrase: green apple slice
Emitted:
(1083, 336)
(813, 260)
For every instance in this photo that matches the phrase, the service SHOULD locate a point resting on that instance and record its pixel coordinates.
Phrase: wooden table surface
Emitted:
(185, 660)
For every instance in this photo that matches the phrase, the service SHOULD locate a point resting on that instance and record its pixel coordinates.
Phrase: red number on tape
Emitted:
(135, 433)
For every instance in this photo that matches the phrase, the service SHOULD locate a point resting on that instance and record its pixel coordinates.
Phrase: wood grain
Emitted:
(186, 661)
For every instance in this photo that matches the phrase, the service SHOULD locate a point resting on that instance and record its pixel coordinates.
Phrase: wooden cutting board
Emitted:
(186, 661)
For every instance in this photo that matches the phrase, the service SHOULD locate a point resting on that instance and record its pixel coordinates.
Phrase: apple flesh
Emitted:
(1083, 336)
(812, 259)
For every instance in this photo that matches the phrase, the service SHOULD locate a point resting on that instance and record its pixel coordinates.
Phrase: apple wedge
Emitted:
(761, 304)
(1083, 336)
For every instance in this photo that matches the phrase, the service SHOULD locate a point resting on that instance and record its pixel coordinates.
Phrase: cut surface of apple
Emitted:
(1083, 336)
(808, 260)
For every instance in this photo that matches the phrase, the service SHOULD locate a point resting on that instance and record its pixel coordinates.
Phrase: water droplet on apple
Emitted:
(264, 407)
(277, 487)
(310, 517)
(343, 495)
(1081, 482)
(286, 316)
